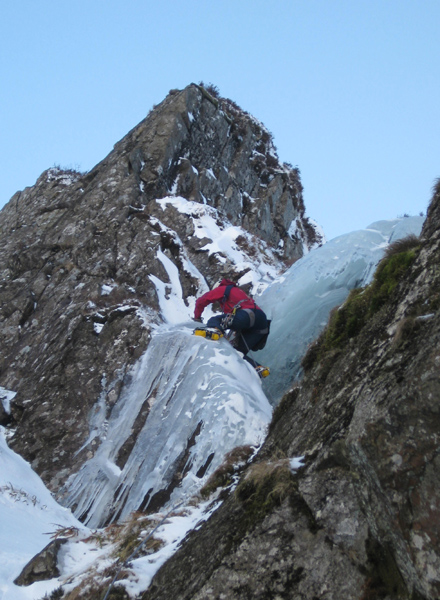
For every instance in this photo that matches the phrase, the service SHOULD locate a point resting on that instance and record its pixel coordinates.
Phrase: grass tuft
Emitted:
(232, 464)
(265, 486)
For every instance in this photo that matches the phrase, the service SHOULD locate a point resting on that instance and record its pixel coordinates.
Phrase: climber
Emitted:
(239, 313)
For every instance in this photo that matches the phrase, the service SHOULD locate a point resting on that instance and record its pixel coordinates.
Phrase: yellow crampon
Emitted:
(210, 334)
(262, 371)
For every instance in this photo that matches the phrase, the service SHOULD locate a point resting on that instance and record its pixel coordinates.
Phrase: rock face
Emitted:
(43, 566)
(80, 256)
(361, 519)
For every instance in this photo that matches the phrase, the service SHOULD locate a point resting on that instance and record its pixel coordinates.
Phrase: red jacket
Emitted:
(216, 295)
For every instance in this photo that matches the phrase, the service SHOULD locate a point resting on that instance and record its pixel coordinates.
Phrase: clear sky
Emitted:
(350, 89)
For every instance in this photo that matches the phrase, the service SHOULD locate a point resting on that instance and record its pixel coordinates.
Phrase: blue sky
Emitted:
(350, 89)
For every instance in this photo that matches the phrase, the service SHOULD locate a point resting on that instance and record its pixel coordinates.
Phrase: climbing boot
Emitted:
(210, 333)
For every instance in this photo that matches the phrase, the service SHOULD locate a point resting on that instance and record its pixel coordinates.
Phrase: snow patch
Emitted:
(223, 243)
(98, 327)
(107, 288)
(6, 396)
(296, 463)
(172, 533)
(171, 302)
(28, 515)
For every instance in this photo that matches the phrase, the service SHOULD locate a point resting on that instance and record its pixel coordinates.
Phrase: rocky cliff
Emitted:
(341, 501)
(360, 519)
(82, 257)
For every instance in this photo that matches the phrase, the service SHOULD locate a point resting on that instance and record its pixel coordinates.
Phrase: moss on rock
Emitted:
(347, 321)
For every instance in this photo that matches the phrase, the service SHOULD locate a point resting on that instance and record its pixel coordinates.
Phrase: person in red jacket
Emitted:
(239, 313)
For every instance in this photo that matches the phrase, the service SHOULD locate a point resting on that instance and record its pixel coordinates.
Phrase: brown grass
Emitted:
(232, 464)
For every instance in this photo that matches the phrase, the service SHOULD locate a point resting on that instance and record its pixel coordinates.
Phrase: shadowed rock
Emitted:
(43, 566)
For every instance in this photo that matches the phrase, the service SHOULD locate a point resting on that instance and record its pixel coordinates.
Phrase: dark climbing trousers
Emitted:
(247, 336)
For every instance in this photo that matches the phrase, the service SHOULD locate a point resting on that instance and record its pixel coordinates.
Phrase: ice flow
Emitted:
(189, 401)
(299, 302)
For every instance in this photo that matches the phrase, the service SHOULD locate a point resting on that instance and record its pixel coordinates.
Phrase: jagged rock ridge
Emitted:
(82, 256)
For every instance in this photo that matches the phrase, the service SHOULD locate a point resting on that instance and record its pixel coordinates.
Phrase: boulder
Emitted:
(43, 566)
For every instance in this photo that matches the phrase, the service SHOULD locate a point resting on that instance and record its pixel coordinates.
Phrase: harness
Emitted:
(250, 311)
(230, 316)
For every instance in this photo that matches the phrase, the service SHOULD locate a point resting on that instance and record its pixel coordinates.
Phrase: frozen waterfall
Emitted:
(189, 401)
(299, 302)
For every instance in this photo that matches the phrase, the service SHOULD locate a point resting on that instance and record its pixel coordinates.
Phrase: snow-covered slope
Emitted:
(254, 262)
(28, 517)
(300, 301)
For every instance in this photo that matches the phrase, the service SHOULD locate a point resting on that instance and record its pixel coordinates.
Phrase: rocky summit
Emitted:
(82, 255)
